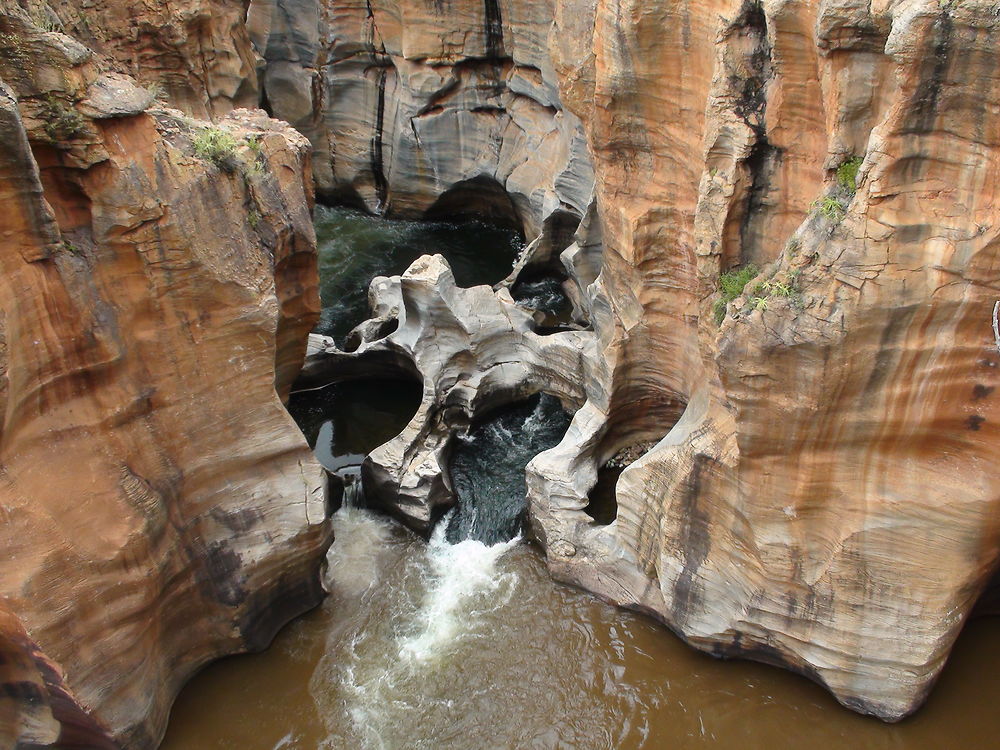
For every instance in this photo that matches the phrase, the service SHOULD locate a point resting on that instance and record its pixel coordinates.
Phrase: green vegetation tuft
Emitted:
(830, 208)
(217, 146)
(731, 285)
(847, 173)
(61, 123)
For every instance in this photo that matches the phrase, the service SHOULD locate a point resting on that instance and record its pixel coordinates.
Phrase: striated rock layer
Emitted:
(418, 108)
(158, 506)
(823, 491)
(810, 482)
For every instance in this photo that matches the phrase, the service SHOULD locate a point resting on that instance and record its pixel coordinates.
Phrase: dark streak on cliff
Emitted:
(494, 30)
(377, 163)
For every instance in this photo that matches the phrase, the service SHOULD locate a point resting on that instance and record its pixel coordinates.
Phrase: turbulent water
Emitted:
(355, 247)
(487, 469)
(545, 294)
(465, 647)
(465, 643)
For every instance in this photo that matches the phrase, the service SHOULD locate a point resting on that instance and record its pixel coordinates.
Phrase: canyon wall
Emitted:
(822, 492)
(158, 506)
(808, 472)
(808, 466)
(418, 108)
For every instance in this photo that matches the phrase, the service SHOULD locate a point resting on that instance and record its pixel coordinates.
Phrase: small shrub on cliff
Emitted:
(830, 208)
(218, 146)
(731, 286)
(847, 173)
(61, 123)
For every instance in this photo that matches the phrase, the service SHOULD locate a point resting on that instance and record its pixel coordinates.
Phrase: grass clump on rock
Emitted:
(833, 207)
(731, 286)
(217, 146)
(847, 173)
(62, 123)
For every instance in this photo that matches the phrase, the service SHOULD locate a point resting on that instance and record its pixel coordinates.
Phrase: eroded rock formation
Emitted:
(194, 54)
(158, 506)
(828, 498)
(821, 489)
(472, 349)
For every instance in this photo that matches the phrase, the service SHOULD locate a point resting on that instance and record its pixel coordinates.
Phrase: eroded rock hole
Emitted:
(481, 198)
(344, 422)
(544, 293)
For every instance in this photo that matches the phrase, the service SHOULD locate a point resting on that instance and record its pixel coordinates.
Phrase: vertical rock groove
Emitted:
(494, 30)
(377, 161)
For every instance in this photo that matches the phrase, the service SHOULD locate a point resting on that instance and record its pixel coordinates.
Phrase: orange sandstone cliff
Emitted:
(819, 486)
(810, 465)
(158, 506)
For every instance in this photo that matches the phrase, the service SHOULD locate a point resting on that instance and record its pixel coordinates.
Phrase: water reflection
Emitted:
(344, 422)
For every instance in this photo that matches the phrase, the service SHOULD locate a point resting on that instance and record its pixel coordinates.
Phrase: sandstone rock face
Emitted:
(823, 492)
(196, 54)
(158, 506)
(820, 492)
(821, 489)
(405, 101)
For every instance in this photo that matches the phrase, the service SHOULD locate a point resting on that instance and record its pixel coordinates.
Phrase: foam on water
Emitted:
(411, 628)
(460, 578)
(354, 563)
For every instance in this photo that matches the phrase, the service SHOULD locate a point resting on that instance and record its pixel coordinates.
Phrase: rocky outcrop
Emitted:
(820, 490)
(158, 506)
(472, 349)
(823, 492)
(194, 54)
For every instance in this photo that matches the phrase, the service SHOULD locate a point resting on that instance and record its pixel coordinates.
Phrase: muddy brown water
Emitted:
(432, 646)
(464, 646)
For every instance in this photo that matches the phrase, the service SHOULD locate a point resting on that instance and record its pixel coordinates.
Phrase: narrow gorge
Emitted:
(489, 368)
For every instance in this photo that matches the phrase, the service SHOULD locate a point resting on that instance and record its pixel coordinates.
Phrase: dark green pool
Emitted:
(354, 248)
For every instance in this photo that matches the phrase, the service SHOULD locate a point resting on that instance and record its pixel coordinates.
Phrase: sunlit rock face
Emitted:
(158, 506)
(823, 493)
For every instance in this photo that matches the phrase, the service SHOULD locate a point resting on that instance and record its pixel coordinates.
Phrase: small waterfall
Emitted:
(450, 593)
(354, 492)
(456, 574)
